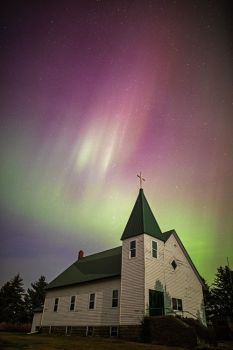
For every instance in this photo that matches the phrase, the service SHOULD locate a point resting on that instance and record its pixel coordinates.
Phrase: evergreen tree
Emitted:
(222, 292)
(208, 301)
(35, 296)
(12, 301)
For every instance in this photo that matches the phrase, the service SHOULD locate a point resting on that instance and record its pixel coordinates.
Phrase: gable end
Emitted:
(167, 235)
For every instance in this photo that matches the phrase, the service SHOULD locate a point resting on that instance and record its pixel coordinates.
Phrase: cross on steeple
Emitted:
(141, 179)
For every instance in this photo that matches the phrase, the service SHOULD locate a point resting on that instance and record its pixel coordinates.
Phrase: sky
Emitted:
(92, 93)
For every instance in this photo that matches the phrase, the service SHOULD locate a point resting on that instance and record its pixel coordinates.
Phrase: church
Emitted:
(110, 292)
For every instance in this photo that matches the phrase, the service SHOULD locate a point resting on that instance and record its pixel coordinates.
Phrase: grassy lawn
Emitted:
(16, 341)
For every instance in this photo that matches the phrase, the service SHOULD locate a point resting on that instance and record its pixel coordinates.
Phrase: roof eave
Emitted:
(83, 282)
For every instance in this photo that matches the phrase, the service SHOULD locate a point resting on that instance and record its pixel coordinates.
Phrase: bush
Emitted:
(223, 329)
(168, 330)
(15, 327)
(203, 333)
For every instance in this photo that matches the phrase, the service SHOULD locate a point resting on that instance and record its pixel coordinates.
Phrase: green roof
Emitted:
(93, 267)
(102, 265)
(142, 220)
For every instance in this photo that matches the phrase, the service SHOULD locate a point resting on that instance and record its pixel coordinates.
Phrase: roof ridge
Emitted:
(143, 212)
(104, 251)
(106, 264)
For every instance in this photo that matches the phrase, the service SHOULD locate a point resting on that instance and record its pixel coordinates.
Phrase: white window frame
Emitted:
(154, 250)
(68, 330)
(55, 306)
(177, 300)
(92, 301)
(115, 299)
(132, 249)
(89, 328)
(111, 331)
(72, 304)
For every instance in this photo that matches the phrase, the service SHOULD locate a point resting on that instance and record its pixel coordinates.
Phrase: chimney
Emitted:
(80, 254)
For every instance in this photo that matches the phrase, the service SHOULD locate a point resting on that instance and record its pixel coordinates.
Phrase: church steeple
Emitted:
(142, 220)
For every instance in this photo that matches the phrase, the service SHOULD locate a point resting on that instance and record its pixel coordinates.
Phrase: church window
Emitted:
(115, 298)
(174, 264)
(68, 330)
(92, 301)
(132, 249)
(72, 303)
(154, 249)
(89, 331)
(56, 305)
(113, 331)
(177, 304)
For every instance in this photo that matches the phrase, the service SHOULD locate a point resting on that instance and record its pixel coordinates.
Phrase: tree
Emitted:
(222, 292)
(208, 301)
(12, 301)
(35, 297)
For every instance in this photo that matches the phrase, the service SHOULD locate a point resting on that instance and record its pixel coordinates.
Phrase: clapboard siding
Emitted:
(154, 268)
(181, 283)
(36, 322)
(103, 314)
(138, 276)
(132, 283)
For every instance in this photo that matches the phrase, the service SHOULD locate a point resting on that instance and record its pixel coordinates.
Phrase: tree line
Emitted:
(18, 305)
(218, 298)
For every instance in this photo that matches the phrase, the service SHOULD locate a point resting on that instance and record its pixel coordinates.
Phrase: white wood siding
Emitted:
(181, 283)
(36, 322)
(132, 283)
(102, 314)
(138, 275)
(154, 268)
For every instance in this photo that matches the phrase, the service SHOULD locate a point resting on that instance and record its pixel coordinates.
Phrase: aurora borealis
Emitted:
(92, 93)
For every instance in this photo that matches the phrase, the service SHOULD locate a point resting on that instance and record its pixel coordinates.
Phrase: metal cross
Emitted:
(141, 179)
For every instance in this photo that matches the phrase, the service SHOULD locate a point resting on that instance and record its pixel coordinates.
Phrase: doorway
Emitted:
(156, 303)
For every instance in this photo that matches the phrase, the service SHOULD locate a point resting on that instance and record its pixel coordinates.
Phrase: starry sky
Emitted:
(92, 93)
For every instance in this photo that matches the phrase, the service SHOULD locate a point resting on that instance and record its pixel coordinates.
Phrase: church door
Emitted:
(156, 303)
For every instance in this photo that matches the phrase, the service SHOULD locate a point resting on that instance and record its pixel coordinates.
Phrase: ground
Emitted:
(19, 341)
(16, 341)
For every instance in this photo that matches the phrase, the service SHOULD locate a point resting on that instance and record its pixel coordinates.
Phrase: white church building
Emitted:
(150, 274)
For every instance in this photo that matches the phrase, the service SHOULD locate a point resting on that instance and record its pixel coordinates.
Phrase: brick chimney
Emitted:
(80, 254)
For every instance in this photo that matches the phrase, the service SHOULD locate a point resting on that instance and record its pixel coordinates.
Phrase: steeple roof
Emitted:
(142, 220)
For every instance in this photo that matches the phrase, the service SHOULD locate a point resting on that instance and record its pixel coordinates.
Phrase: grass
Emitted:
(18, 341)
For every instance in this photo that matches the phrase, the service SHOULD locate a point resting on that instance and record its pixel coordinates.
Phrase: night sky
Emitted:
(92, 93)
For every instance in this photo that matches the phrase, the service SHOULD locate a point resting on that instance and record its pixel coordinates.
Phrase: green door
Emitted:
(156, 303)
